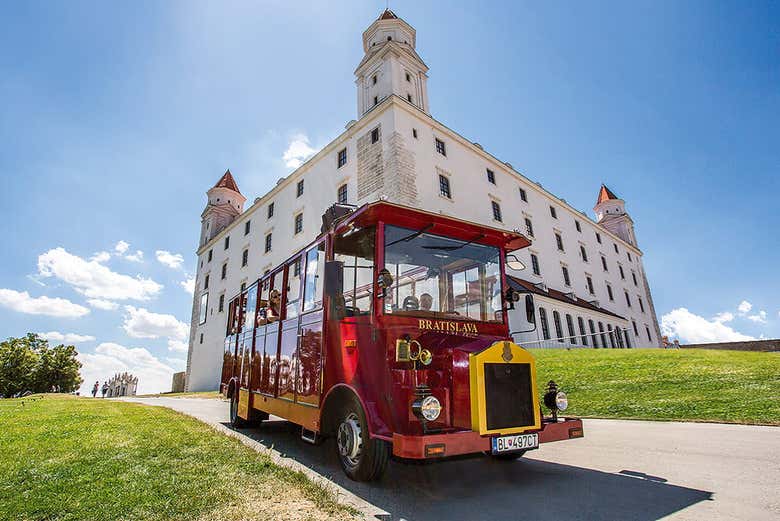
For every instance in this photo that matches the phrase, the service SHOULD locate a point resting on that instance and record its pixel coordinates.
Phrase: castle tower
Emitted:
(611, 214)
(225, 203)
(391, 65)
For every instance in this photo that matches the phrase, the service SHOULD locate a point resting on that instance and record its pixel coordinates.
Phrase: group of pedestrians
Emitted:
(97, 387)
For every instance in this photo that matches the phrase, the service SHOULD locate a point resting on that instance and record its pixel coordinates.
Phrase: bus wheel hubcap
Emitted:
(349, 439)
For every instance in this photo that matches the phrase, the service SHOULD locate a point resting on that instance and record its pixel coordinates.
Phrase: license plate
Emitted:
(515, 442)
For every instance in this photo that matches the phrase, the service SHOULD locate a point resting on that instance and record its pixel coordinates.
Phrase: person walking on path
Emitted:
(95, 389)
(104, 389)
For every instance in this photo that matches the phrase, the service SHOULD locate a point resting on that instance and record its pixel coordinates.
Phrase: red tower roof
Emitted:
(227, 181)
(387, 15)
(605, 194)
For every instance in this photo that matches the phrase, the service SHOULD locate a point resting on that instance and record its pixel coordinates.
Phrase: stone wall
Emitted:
(752, 345)
(177, 384)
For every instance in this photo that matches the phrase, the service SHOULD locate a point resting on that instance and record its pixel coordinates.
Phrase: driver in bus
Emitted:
(426, 302)
(273, 313)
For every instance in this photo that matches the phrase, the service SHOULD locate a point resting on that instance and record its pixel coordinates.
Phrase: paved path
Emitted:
(621, 470)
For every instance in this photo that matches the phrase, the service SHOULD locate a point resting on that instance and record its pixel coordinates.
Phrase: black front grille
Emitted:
(508, 396)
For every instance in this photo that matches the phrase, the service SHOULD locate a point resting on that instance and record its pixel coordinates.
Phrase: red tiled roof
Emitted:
(227, 181)
(605, 194)
(527, 285)
(387, 15)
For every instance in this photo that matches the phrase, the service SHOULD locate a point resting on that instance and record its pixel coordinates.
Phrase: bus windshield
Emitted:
(440, 277)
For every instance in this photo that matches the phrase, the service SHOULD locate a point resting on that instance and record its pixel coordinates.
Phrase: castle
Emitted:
(587, 276)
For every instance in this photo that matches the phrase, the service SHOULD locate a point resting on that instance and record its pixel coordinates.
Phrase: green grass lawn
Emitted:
(684, 384)
(68, 458)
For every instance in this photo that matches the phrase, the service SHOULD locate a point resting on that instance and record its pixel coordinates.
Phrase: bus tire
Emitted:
(236, 421)
(361, 457)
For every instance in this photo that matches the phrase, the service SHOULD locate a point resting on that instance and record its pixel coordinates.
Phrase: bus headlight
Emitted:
(430, 408)
(561, 401)
(554, 399)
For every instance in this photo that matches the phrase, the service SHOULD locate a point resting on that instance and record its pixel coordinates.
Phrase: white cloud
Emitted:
(726, 316)
(188, 285)
(298, 151)
(102, 304)
(68, 338)
(22, 302)
(101, 256)
(172, 260)
(744, 307)
(109, 358)
(138, 256)
(178, 346)
(759, 318)
(693, 329)
(142, 323)
(177, 363)
(93, 279)
(121, 247)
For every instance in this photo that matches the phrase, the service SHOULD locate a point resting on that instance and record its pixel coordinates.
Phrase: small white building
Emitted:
(580, 271)
(122, 384)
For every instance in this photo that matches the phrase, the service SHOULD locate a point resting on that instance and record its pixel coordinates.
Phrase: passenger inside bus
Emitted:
(272, 312)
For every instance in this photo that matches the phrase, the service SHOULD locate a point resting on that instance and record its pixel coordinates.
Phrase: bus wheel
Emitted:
(236, 421)
(361, 457)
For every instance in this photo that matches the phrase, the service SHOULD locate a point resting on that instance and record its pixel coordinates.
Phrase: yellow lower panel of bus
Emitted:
(304, 415)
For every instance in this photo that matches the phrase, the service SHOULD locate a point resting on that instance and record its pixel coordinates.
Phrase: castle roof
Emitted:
(387, 15)
(524, 285)
(227, 181)
(605, 194)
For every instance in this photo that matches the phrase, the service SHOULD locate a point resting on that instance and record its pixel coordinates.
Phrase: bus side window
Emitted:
(251, 306)
(262, 305)
(274, 310)
(315, 269)
(356, 251)
(293, 287)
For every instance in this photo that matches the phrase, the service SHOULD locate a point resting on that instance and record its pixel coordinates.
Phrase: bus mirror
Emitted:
(530, 312)
(513, 263)
(334, 279)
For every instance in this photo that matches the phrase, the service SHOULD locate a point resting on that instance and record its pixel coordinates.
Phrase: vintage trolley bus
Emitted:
(390, 333)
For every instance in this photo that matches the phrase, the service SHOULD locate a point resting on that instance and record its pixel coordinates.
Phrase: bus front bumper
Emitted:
(470, 442)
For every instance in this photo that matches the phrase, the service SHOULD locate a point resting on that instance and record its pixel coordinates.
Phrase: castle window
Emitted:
(583, 334)
(414, 133)
(559, 241)
(204, 305)
(604, 263)
(641, 305)
(535, 264)
(570, 326)
(622, 273)
(299, 189)
(583, 253)
(246, 227)
(298, 223)
(375, 135)
(342, 158)
(633, 276)
(616, 248)
(408, 77)
(244, 258)
(590, 285)
(558, 329)
(649, 338)
(636, 331)
(201, 338)
(243, 286)
(440, 147)
(221, 307)
(376, 100)
(444, 187)
(523, 195)
(529, 227)
(491, 177)
(227, 242)
(211, 254)
(628, 299)
(577, 225)
(609, 293)
(206, 282)
(545, 325)
(373, 80)
(628, 253)
(389, 38)
(341, 195)
(593, 333)
(270, 210)
(598, 238)
(224, 271)
(553, 213)
(566, 279)
(409, 98)
(496, 211)
(268, 240)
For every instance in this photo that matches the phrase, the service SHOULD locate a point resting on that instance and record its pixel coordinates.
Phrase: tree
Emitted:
(29, 364)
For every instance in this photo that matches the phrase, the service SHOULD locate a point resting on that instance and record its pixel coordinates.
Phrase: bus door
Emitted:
(288, 346)
(309, 354)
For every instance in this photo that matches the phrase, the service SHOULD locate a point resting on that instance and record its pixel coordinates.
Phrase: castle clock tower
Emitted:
(391, 66)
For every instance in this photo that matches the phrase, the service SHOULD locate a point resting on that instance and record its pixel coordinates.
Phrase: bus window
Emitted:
(293, 287)
(274, 310)
(355, 249)
(262, 304)
(440, 277)
(315, 268)
(251, 307)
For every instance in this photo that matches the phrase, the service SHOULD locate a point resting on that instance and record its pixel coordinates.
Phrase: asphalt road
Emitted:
(623, 470)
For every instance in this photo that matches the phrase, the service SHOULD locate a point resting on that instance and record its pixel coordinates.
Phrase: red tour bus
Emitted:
(390, 333)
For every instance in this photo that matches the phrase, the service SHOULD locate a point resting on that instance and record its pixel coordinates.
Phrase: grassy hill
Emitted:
(69, 458)
(685, 384)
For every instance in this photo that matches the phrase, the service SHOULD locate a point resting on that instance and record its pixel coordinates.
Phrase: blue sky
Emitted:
(116, 117)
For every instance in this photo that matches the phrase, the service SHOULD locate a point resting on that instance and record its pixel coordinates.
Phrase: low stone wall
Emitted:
(752, 345)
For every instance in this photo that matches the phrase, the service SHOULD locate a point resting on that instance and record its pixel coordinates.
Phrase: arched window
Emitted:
(593, 333)
(583, 334)
(603, 336)
(545, 326)
(611, 336)
(626, 334)
(558, 328)
(570, 327)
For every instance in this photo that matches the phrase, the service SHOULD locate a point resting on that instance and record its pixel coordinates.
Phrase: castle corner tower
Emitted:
(611, 214)
(225, 203)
